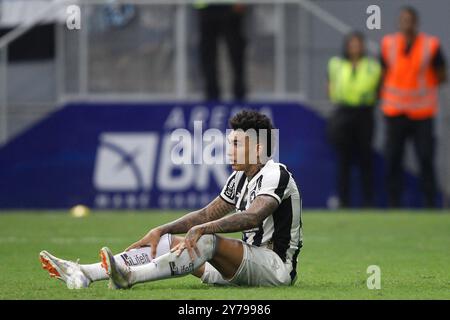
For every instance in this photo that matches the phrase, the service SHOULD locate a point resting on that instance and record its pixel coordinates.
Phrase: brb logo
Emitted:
(129, 166)
(137, 169)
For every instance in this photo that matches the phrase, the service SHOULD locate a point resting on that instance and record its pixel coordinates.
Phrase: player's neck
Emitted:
(252, 170)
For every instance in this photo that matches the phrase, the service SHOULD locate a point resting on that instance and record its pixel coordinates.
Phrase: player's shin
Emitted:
(171, 265)
(130, 258)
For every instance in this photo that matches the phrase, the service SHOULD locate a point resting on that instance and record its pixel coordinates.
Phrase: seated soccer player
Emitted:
(265, 204)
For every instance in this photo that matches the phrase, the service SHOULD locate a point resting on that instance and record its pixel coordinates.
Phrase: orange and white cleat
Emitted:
(118, 275)
(67, 271)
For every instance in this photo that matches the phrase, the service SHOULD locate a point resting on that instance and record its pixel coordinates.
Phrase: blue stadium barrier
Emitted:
(116, 156)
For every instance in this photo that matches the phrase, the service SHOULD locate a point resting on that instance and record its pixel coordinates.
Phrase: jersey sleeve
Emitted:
(228, 193)
(274, 184)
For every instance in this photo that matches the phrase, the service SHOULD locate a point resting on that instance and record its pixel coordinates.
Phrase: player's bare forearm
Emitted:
(216, 209)
(261, 208)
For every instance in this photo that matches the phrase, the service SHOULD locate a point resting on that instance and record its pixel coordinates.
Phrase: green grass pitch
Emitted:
(412, 248)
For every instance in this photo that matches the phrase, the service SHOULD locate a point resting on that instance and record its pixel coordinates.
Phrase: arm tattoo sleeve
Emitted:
(214, 210)
(260, 209)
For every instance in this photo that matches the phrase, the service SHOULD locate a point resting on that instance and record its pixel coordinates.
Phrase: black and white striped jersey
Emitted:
(282, 230)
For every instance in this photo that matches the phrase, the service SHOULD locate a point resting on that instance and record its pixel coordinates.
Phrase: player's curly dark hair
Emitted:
(252, 119)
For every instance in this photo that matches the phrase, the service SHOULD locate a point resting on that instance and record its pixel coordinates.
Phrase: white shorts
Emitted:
(259, 267)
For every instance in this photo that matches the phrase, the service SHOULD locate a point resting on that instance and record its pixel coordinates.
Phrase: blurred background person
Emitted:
(227, 21)
(413, 68)
(353, 82)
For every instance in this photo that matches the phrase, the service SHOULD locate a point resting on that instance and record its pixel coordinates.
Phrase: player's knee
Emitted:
(206, 244)
(175, 240)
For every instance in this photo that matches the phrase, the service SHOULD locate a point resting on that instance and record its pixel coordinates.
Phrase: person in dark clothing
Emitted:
(227, 21)
(353, 87)
(413, 68)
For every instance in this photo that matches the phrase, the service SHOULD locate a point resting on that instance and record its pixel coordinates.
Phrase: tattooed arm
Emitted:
(262, 207)
(214, 210)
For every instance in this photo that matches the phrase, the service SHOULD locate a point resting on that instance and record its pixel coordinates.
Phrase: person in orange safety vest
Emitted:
(413, 68)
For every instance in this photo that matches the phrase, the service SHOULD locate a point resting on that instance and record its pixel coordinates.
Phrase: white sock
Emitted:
(134, 257)
(169, 265)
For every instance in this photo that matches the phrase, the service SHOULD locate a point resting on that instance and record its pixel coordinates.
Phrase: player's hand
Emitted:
(150, 239)
(190, 243)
